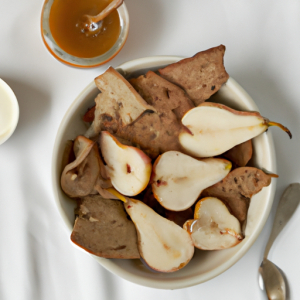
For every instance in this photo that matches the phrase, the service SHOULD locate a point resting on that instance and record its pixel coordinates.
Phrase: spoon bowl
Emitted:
(270, 278)
(272, 281)
(93, 24)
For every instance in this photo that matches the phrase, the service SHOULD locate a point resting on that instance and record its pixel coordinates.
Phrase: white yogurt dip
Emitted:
(9, 112)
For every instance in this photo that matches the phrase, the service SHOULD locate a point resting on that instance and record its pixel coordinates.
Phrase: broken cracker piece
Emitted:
(118, 99)
(156, 132)
(201, 75)
(240, 154)
(180, 217)
(237, 188)
(163, 95)
(103, 229)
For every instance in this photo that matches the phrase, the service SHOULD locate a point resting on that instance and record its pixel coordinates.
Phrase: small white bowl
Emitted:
(205, 264)
(9, 112)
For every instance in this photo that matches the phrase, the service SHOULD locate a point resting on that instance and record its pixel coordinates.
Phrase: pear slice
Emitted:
(215, 128)
(178, 179)
(213, 228)
(128, 168)
(86, 174)
(164, 246)
(80, 176)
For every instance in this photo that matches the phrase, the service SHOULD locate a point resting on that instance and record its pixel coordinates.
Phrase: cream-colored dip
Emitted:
(9, 111)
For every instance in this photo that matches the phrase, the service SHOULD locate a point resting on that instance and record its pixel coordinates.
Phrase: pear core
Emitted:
(213, 228)
(129, 168)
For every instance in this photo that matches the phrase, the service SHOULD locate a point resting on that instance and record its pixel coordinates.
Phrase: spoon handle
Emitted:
(104, 13)
(286, 207)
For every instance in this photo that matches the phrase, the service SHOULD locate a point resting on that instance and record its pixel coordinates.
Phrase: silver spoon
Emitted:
(270, 278)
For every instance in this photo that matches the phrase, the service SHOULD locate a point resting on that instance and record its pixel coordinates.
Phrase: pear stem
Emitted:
(117, 194)
(280, 126)
(273, 175)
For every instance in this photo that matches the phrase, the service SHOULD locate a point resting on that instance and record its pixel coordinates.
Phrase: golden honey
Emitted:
(65, 26)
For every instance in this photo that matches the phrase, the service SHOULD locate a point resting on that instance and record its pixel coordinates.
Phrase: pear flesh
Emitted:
(178, 179)
(215, 128)
(164, 246)
(213, 228)
(128, 168)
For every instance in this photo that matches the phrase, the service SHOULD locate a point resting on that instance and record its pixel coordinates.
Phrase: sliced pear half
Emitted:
(178, 179)
(164, 246)
(214, 227)
(215, 128)
(129, 168)
(79, 177)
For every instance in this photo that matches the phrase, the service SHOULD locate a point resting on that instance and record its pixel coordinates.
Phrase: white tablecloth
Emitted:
(37, 260)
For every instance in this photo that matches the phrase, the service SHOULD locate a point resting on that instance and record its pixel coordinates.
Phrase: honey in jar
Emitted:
(65, 26)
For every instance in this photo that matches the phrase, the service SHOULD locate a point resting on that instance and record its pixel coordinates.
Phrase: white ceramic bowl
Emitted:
(205, 264)
(9, 112)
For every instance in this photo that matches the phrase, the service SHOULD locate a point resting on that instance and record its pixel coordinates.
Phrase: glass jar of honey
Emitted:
(66, 41)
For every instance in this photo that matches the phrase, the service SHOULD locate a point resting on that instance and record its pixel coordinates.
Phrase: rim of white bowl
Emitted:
(16, 110)
(174, 283)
